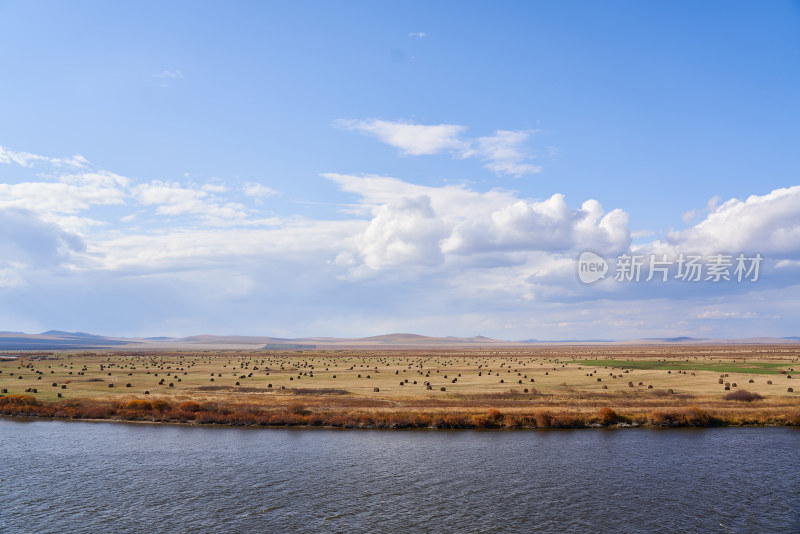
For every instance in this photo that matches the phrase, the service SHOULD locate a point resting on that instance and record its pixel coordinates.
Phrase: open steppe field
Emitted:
(548, 386)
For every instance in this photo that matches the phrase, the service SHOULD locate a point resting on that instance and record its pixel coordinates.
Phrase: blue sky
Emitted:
(361, 168)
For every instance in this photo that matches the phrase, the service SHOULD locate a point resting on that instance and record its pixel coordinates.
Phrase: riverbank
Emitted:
(297, 415)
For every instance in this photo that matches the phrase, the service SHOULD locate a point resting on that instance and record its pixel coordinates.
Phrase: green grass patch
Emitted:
(762, 368)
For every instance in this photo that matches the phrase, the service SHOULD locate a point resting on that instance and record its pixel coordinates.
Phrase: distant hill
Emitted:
(58, 340)
(80, 335)
(62, 340)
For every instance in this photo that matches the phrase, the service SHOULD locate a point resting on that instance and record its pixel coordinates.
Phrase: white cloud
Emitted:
(169, 74)
(418, 34)
(690, 216)
(412, 139)
(503, 262)
(405, 232)
(502, 153)
(720, 314)
(305, 244)
(174, 199)
(59, 201)
(258, 192)
(767, 224)
(418, 226)
(26, 159)
(213, 188)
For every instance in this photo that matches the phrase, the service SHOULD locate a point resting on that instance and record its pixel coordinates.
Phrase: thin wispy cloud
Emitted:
(504, 153)
(419, 35)
(26, 159)
(258, 192)
(169, 75)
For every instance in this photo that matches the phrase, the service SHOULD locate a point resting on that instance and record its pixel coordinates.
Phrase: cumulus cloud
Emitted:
(405, 232)
(767, 223)
(502, 153)
(415, 225)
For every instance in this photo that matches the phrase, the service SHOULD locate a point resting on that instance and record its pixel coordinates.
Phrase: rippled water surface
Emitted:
(101, 477)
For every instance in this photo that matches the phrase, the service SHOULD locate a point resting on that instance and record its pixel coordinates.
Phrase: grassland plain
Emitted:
(544, 387)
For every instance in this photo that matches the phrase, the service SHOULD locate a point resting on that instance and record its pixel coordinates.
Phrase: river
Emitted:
(60, 476)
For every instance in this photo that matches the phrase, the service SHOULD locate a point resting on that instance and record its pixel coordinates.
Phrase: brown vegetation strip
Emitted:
(296, 414)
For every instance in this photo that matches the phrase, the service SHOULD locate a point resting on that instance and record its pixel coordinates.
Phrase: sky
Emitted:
(358, 168)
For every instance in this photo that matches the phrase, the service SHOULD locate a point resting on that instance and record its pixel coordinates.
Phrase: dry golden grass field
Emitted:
(548, 386)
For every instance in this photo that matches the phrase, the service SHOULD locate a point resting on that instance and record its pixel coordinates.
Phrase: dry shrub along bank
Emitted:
(544, 387)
